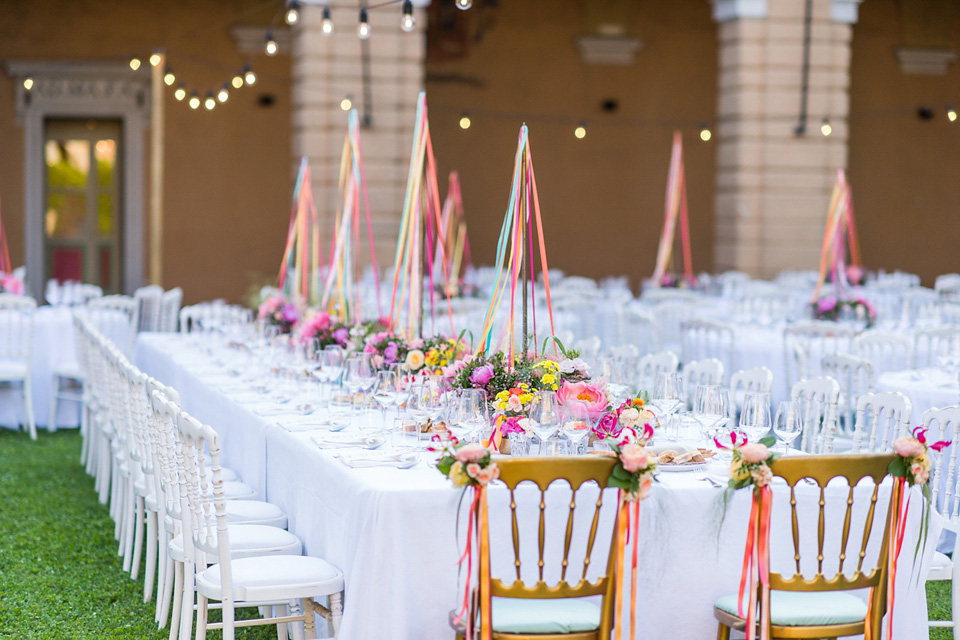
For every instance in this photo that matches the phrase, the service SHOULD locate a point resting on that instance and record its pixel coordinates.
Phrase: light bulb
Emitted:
(224, 93)
(363, 29)
(326, 25)
(825, 128)
(292, 15)
(194, 101)
(169, 78)
(346, 103)
(155, 59)
(580, 131)
(271, 47)
(180, 93)
(951, 113)
(237, 81)
(407, 22)
(134, 63)
(28, 83)
(248, 75)
(705, 133)
(209, 103)
(464, 4)
(465, 121)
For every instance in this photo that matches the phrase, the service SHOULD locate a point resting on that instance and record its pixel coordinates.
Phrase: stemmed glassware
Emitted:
(788, 425)
(711, 408)
(468, 413)
(546, 415)
(668, 393)
(755, 414)
(359, 375)
(386, 391)
(576, 424)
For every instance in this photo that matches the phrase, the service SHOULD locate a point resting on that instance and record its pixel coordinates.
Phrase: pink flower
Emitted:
(481, 375)
(9, 284)
(416, 343)
(473, 469)
(391, 352)
(453, 369)
(908, 447)
(514, 404)
(826, 303)
(634, 457)
(920, 473)
(511, 425)
(761, 475)
(753, 453)
(854, 274)
(473, 452)
(584, 394)
(646, 483)
(607, 425)
(369, 348)
(492, 472)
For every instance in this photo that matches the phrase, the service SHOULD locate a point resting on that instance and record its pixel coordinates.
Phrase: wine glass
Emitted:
(788, 425)
(386, 391)
(668, 392)
(755, 414)
(576, 424)
(468, 413)
(358, 374)
(711, 408)
(426, 399)
(545, 415)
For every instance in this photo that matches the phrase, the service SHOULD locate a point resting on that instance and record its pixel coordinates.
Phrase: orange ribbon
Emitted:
(900, 507)
(626, 534)
(756, 564)
(467, 555)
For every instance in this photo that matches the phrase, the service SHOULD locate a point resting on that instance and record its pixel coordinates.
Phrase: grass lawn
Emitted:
(60, 576)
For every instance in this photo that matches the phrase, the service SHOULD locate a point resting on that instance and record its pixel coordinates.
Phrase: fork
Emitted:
(703, 476)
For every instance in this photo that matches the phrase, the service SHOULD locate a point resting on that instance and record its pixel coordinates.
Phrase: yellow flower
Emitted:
(739, 471)
(923, 459)
(457, 475)
(548, 378)
(549, 365)
(503, 395)
(431, 357)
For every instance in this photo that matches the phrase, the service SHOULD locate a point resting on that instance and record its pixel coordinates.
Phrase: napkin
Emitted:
(339, 441)
(359, 459)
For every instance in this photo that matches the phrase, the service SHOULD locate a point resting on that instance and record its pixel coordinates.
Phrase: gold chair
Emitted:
(515, 609)
(820, 606)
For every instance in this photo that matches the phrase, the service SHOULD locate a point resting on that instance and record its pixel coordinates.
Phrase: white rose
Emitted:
(629, 417)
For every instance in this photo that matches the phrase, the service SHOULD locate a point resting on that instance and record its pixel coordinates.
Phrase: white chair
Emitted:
(916, 301)
(806, 343)
(930, 344)
(707, 371)
(640, 328)
(589, 349)
(764, 308)
(881, 418)
(756, 379)
(947, 281)
(669, 315)
(16, 350)
(855, 376)
(170, 309)
(652, 364)
(944, 424)
(701, 339)
(149, 299)
(234, 581)
(656, 295)
(818, 399)
(886, 350)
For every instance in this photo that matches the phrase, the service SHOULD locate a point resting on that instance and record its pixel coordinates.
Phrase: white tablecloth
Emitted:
(392, 532)
(926, 388)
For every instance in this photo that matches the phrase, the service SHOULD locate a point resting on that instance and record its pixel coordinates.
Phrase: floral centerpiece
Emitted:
(321, 326)
(670, 281)
(631, 417)
(10, 284)
(830, 308)
(437, 355)
(386, 348)
(276, 310)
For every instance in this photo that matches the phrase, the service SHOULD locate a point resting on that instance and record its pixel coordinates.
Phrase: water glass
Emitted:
(711, 408)
(468, 413)
(577, 424)
(405, 433)
(788, 425)
(755, 414)
(545, 414)
(668, 392)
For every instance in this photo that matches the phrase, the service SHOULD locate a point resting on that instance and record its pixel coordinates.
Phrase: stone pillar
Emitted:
(773, 183)
(329, 68)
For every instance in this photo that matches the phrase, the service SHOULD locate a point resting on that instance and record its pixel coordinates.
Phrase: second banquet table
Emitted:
(393, 532)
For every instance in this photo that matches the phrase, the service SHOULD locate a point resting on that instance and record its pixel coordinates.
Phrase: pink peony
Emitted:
(634, 457)
(391, 352)
(481, 375)
(584, 394)
(908, 447)
(826, 303)
(753, 453)
(473, 452)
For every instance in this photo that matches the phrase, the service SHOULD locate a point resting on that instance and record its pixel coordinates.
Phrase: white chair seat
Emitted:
(69, 370)
(247, 541)
(530, 615)
(236, 491)
(941, 567)
(810, 608)
(10, 371)
(255, 512)
(274, 578)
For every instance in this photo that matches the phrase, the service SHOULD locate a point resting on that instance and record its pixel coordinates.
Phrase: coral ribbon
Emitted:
(465, 612)
(626, 534)
(756, 565)
(898, 514)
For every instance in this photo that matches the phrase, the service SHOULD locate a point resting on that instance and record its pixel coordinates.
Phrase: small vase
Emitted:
(518, 444)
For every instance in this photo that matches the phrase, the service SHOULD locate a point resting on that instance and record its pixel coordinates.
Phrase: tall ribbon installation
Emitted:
(674, 212)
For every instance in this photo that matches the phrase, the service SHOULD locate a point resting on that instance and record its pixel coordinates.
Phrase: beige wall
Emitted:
(905, 171)
(228, 176)
(601, 197)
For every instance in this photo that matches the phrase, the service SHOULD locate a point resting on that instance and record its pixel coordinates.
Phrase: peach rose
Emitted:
(415, 359)
(473, 469)
(908, 447)
(629, 417)
(753, 453)
(473, 452)
(634, 457)
(920, 473)
(762, 476)
(646, 482)
(486, 475)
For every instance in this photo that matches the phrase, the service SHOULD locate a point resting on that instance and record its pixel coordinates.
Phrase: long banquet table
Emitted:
(392, 532)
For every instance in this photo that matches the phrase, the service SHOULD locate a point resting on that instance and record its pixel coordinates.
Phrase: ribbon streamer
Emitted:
(840, 221)
(627, 533)
(674, 211)
(756, 565)
(898, 515)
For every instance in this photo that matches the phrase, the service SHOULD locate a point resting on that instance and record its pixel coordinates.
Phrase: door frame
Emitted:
(95, 90)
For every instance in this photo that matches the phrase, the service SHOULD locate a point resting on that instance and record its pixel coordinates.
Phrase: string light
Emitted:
(705, 133)
(951, 114)
(237, 81)
(28, 83)
(224, 93)
(209, 103)
(270, 48)
(134, 63)
(825, 128)
(463, 5)
(292, 15)
(169, 78)
(248, 75)
(326, 24)
(465, 121)
(407, 22)
(155, 59)
(194, 101)
(363, 29)
(581, 131)
(346, 103)
(180, 93)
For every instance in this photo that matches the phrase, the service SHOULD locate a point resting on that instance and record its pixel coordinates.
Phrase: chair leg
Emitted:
(202, 619)
(309, 623)
(177, 601)
(151, 567)
(282, 610)
(336, 612)
(130, 518)
(723, 632)
(187, 602)
(164, 582)
(28, 409)
(139, 520)
(54, 396)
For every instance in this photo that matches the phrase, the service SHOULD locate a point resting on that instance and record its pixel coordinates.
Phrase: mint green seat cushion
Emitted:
(806, 608)
(529, 615)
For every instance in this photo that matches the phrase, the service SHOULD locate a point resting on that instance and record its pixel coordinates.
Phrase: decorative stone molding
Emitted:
(251, 40)
(608, 50)
(845, 11)
(726, 10)
(923, 61)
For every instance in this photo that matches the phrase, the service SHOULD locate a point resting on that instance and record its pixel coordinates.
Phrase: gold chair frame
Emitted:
(822, 469)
